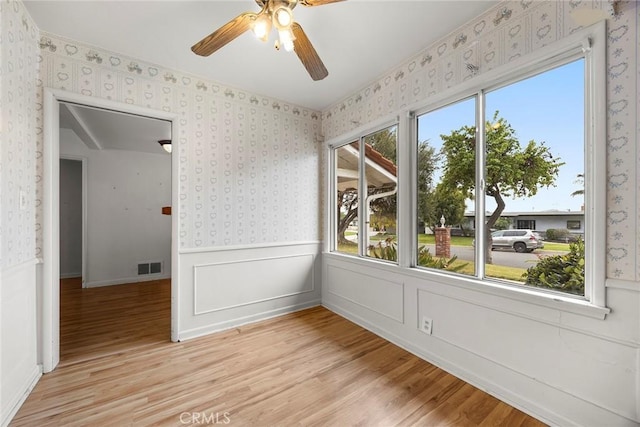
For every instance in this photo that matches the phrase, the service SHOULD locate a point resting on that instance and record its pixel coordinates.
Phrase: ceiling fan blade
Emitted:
(224, 34)
(307, 54)
(317, 2)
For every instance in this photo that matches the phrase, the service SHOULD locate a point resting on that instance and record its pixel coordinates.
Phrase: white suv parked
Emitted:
(519, 240)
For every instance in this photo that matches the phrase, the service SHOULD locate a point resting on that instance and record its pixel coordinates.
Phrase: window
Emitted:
(573, 225)
(366, 203)
(526, 224)
(529, 142)
(347, 174)
(513, 142)
(441, 205)
(530, 155)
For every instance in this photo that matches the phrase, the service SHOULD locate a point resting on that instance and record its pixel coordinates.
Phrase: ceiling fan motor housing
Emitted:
(272, 4)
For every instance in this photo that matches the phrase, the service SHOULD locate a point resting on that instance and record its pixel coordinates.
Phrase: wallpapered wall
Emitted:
(249, 165)
(19, 49)
(506, 32)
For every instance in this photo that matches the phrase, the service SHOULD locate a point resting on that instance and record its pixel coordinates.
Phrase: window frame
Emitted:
(359, 136)
(588, 43)
(526, 222)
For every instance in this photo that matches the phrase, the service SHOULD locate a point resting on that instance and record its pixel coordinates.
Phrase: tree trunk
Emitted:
(343, 224)
(491, 221)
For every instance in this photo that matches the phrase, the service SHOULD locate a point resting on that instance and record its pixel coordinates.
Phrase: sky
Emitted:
(548, 107)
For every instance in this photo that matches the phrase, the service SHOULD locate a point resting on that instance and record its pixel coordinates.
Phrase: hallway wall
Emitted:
(70, 218)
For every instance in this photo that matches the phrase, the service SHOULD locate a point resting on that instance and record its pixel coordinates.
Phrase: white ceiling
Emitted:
(358, 40)
(110, 130)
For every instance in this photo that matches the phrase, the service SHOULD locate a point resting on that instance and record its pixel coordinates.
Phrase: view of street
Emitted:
(508, 258)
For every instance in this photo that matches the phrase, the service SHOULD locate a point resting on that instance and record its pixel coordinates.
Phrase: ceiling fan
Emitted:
(277, 14)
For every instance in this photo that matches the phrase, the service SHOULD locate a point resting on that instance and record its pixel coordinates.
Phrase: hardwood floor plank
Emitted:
(309, 368)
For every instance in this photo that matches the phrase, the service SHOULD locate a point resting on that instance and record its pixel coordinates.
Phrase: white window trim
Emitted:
(589, 43)
(356, 135)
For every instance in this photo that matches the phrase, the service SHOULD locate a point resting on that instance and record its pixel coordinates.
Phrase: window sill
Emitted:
(531, 296)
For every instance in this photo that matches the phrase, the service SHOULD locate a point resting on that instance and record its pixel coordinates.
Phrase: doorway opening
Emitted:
(128, 182)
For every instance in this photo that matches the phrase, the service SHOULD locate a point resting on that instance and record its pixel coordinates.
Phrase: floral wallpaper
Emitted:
(243, 156)
(508, 31)
(19, 49)
(249, 165)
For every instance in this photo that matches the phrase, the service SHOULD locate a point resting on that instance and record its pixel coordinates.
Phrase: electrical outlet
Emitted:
(426, 325)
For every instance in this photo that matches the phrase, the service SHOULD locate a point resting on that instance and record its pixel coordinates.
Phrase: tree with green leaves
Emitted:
(427, 164)
(579, 180)
(444, 202)
(502, 223)
(511, 169)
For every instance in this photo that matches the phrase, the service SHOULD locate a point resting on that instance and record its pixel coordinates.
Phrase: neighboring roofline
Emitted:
(378, 158)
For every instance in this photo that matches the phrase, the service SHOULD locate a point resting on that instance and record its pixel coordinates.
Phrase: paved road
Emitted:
(505, 257)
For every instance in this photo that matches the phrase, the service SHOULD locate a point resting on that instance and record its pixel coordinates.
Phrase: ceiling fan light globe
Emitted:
(286, 39)
(288, 45)
(261, 27)
(282, 17)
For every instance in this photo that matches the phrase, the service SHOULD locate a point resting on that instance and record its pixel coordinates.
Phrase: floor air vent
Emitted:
(149, 268)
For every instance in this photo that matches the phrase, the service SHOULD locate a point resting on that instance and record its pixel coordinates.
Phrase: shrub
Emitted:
(385, 249)
(560, 272)
(388, 251)
(557, 234)
(425, 259)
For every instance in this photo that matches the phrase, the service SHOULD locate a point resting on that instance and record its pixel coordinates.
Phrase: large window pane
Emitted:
(535, 168)
(445, 188)
(380, 205)
(347, 161)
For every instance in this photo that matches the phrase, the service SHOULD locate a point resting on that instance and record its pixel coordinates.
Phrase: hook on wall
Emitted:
(502, 14)
(474, 69)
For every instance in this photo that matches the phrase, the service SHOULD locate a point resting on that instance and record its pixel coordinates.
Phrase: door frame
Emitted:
(50, 280)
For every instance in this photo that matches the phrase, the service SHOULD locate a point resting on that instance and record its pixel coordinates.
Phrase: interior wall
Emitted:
(126, 191)
(70, 218)
(18, 259)
(248, 182)
(564, 368)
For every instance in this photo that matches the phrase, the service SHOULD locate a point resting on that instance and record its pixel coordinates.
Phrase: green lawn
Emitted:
(494, 271)
(429, 239)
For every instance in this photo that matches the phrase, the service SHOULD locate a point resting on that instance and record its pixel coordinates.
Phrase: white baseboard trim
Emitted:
(234, 323)
(70, 275)
(124, 280)
(18, 400)
(590, 413)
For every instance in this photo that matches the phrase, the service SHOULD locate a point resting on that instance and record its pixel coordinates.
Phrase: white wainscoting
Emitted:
(256, 280)
(561, 367)
(226, 287)
(380, 295)
(19, 367)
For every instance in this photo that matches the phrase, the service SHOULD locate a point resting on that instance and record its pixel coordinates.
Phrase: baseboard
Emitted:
(70, 275)
(121, 281)
(582, 412)
(18, 400)
(234, 323)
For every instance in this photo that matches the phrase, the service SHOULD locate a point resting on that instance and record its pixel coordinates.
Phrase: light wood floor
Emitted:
(313, 368)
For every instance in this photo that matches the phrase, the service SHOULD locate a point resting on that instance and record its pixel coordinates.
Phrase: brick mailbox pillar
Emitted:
(443, 242)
